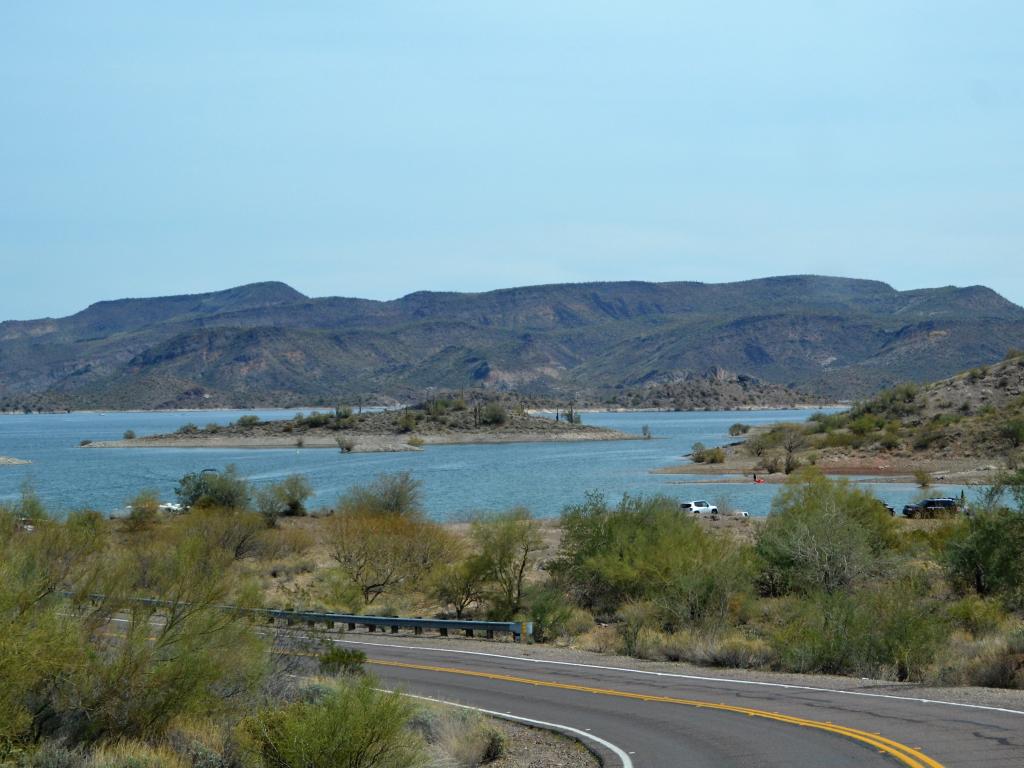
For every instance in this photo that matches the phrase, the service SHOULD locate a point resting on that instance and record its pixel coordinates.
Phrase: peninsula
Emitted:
(966, 429)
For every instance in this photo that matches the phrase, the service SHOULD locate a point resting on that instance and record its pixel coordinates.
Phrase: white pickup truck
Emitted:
(698, 507)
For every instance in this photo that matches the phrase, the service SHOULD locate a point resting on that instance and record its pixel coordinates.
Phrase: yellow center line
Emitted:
(906, 755)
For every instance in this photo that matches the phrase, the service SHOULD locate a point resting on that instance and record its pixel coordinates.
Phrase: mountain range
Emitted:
(268, 344)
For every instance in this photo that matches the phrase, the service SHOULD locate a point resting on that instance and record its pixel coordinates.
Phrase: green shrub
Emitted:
(129, 434)
(977, 615)
(889, 632)
(144, 510)
(643, 550)
(984, 555)
(226, 490)
(822, 534)
(493, 414)
(715, 456)
(353, 726)
(407, 422)
(247, 421)
(739, 429)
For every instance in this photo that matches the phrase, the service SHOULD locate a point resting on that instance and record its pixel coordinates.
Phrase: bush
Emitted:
(407, 422)
(225, 490)
(129, 434)
(1013, 432)
(338, 661)
(353, 726)
(144, 510)
(284, 499)
(714, 456)
(493, 415)
(643, 550)
(248, 421)
(888, 632)
(188, 429)
(415, 441)
(822, 535)
(977, 615)
(739, 429)
(984, 556)
(741, 652)
(134, 754)
(461, 736)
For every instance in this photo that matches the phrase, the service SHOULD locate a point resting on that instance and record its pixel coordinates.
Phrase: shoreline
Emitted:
(957, 471)
(10, 461)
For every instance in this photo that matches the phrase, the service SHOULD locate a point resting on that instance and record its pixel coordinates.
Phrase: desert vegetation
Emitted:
(829, 583)
(94, 678)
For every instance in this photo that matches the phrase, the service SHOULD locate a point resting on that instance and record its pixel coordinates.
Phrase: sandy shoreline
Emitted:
(958, 471)
(360, 443)
(10, 461)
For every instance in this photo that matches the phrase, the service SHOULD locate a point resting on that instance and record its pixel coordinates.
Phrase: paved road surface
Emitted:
(666, 720)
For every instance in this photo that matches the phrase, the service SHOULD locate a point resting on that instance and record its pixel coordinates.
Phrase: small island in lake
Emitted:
(436, 422)
(10, 461)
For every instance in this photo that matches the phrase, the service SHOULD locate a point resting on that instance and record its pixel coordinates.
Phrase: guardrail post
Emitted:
(330, 625)
(371, 628)
(417, 630)
(351, 626)
(394, 629)
(469, 633)
(490, 634)
(444, 631)
(290, 622)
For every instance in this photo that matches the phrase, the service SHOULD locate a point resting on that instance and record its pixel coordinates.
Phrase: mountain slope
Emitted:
(268, 344)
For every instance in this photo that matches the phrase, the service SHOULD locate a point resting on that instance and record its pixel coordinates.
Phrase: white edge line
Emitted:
(679, 675)
(619, 753)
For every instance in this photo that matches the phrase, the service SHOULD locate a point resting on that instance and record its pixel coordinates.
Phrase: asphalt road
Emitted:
(647, 719)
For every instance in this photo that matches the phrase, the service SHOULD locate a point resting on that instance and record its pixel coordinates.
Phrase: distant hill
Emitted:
(267, 344)
(975, 414)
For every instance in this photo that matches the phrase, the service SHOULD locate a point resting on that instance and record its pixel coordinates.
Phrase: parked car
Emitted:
(698, 508)
(930, 508)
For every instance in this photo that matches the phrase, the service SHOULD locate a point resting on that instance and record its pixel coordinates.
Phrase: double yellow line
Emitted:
(904, 754)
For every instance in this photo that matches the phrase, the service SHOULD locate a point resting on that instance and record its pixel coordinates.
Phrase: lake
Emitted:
(458, 480)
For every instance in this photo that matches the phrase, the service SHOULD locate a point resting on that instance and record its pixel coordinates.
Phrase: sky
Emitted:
(375, 149)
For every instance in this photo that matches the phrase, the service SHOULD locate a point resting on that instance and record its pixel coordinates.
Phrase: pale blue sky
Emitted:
(374, 149)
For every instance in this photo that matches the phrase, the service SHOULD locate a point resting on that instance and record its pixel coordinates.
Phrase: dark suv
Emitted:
(930, 508)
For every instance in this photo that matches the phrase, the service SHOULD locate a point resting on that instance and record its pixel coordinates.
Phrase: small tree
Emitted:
(129, 434)
(461, 584)
(645, 430)
(508, 545)
(143, 511)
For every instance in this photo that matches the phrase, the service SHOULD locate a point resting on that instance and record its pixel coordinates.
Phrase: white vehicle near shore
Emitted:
(698, 507)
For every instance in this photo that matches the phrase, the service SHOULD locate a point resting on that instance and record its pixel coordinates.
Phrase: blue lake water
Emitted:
(458, 480)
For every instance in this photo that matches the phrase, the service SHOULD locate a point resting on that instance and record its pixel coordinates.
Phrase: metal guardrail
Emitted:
(521, 631)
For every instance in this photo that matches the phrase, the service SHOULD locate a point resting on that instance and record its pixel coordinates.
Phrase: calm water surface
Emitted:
(457, 479)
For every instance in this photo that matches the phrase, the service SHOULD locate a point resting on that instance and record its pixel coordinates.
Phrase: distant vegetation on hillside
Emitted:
(267, 344)
(975, 414)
